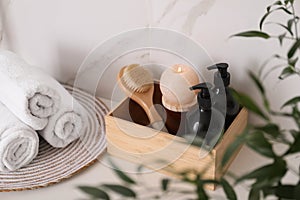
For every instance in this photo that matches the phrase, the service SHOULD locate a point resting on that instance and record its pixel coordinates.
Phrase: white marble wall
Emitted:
(58, 34)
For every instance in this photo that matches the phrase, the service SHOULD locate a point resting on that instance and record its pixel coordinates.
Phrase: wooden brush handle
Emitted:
(159, 125)
(155, 119)
(153, 115)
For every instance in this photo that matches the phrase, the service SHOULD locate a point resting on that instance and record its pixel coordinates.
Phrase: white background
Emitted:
(58, 34)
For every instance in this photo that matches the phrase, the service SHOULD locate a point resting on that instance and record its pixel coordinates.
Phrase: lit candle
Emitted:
(174, 84)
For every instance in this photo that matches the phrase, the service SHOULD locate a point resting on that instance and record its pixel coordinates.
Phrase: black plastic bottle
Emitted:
(204, 118)
(223, 99)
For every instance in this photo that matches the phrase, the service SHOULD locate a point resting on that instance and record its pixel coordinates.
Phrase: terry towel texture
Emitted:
(68, 124)
(40, 101)
(18, 142)
(27, 91)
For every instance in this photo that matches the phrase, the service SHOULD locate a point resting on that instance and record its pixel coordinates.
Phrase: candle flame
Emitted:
(179, 69)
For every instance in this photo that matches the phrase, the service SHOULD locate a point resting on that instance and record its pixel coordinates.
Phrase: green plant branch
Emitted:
(235, 177)
(260, 138)
(295, 21)
(285, 37)
(272, 69)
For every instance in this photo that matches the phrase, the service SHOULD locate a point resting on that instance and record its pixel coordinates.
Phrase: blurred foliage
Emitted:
(266, 180)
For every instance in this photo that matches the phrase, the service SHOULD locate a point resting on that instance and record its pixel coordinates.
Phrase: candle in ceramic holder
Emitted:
(174, 84)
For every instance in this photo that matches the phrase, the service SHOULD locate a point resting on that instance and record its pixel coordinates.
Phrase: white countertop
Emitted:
(101, 173)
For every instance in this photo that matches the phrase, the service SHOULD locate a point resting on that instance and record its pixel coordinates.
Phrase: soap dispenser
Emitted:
(223, 99)
(198, 120)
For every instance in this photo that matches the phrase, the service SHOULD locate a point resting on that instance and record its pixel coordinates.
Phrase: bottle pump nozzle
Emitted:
(222, 73)
(203, 97)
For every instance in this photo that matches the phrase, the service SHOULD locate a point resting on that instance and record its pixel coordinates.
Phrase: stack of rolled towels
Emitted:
(32, 103)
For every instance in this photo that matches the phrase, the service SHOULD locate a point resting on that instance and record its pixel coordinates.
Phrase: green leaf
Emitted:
(261, 183)
(122, 190)
(259, 143)
(164, 184)
(292, 102)
(229, 191)
(281, 38)
(285, 191)
(201, 192)
(277, 3)
(270, 129)
(292, 62)
(294, 133)
(295, 147)
(261, 88)
(285, 10)
(268, 191)
(258, 34)
(288, 1)
(286, 28)
(209, 181)
(121, 174)
(269, 11)
(246, 101)
(297, 192)
(257, 82)
(290, 24)
(286, 72)
(273, 172)
(260, 172)
(296, 115)
(294, 48)
(264, 18)
(94, 192)
(254, 194)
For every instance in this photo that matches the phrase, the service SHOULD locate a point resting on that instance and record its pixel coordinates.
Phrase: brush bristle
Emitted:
(137, 78)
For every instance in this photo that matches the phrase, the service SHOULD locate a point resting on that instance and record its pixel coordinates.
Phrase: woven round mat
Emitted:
(53, 165)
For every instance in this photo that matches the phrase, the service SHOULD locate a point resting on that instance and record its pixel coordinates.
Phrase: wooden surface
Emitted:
(234, 130)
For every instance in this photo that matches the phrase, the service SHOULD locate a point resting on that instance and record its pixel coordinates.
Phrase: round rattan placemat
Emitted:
(53, 165)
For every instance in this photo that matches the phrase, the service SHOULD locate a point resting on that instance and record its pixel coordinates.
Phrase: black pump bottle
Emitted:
(223, 99)
(201, 119)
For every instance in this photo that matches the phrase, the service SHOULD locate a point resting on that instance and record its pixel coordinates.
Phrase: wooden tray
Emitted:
(130, 138)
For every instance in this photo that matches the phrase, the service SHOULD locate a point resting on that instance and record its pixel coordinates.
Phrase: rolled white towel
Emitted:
(27, 91)
(18, 142)
(68, 124)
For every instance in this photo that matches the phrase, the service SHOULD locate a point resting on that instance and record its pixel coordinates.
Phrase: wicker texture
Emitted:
(54, 165)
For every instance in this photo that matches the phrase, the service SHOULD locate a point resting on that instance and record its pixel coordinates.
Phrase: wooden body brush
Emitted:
(137, 82)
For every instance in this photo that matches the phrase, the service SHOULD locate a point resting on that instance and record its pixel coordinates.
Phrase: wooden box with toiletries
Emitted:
(131, 138)
(160, 123)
